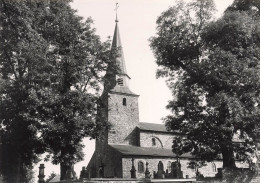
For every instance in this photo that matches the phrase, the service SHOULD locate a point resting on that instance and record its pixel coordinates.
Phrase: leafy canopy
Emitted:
(212, 68)
(51, 66)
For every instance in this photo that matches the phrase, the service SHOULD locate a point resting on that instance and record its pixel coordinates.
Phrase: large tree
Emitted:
(212, 68)
(78, 60)
(22, 53)
(51, 66)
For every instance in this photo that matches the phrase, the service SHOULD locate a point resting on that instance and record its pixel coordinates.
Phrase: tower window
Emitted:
(140, 167)
(124, 101)
(120, 81)
(153, 142)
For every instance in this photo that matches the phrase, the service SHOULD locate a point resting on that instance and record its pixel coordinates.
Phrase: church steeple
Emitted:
(116, 44)
(123, 113)
(117, 79)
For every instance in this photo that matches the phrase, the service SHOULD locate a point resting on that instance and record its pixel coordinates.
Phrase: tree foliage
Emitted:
(213, 71)
(78, 60)
(51, 66)
(22, 52)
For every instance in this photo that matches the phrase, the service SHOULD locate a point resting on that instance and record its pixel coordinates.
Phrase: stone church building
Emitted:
(132, 146)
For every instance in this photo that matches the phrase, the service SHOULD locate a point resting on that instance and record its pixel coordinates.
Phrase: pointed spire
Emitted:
(120, 79)
(116, 44)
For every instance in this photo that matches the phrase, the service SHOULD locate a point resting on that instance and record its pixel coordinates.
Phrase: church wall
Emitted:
(207, 170)
(113, 164)
(210, 170)
(123, 118)
(153, 166)
(111, 160)
(242, 164)
(164, 138)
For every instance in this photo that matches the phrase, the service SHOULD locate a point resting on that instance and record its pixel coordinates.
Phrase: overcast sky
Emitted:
(136, 25)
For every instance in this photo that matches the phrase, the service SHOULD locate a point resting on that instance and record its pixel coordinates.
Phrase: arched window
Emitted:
(120, 81)
(124, 101)
(214, 167)
(169, 166)
(153, 142)
(140, 167)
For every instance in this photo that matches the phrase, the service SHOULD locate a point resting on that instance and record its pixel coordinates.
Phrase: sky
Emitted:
(137, 23)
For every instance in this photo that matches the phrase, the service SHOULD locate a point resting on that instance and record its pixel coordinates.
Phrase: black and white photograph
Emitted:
(130, 91)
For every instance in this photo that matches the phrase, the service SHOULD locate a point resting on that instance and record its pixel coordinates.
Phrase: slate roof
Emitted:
(116, 43)
(152, 127)
(128, 150)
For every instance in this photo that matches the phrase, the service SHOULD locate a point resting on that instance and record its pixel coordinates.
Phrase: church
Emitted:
(130, 148)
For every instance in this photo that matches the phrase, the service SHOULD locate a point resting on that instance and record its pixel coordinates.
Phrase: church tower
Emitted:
(119, 109)
(122, 103)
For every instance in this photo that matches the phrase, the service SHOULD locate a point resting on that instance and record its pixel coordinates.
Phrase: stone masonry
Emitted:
(164, 139)
(210, 170)
(123, 118)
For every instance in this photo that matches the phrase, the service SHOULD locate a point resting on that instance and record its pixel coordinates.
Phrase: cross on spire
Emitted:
(116, 10)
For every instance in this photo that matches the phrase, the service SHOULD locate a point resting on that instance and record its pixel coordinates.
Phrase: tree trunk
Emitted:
(63, 169)
(14, 175)
(228, 158)
(67, 171)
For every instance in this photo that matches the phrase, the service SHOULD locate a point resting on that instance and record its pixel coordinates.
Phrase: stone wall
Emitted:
(153, 166)
(111, 161)
(123, 118)
(113, 166)
(210, 170)
(164, 140)
(107, 180)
